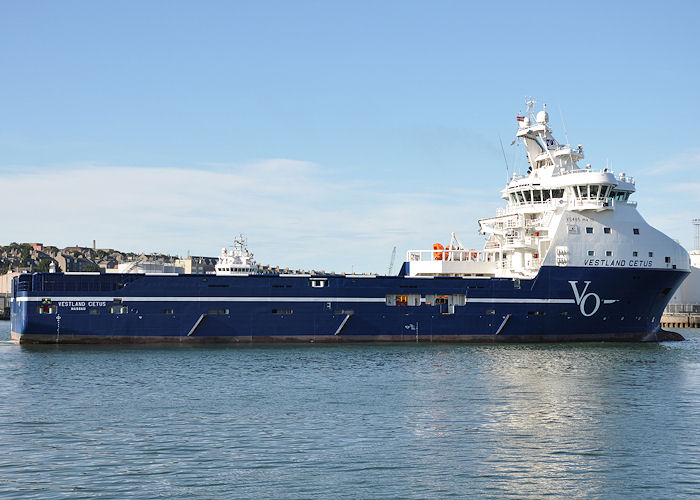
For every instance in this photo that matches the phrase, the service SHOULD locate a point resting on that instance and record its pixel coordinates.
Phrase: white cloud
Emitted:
(292, 212)
(688, 161)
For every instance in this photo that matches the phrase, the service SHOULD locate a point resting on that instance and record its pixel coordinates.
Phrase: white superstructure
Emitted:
(557, 214)
(145, 267)
(237, 260)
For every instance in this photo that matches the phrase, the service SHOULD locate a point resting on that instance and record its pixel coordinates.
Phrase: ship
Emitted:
(567, 258)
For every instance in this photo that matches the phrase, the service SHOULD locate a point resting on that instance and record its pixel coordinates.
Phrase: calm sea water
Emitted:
(594, 420)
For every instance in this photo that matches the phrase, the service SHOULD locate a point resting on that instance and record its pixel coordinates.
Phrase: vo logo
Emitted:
(582, 298)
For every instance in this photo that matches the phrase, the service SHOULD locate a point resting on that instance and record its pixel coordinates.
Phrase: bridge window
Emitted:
(557, 193)
(526, 194)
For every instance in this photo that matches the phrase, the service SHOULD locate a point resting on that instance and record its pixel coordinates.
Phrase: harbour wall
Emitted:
(680, 320)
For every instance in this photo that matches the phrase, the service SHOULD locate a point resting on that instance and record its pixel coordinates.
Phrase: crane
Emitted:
(391, 263)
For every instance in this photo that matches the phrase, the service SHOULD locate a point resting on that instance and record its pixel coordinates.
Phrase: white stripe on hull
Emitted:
(480, 300)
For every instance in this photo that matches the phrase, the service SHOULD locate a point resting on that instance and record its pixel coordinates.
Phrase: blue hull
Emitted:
(560, 304)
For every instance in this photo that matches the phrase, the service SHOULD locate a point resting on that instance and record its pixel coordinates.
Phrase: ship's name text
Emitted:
(617, 263)
(80, 305)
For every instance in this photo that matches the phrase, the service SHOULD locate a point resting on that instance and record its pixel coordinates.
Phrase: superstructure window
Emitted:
(651, 254)
(635, 254)
(619, 195)
(411, 299)
(46, 309)
(168, 311)
(282, 311)
(608, 253)
(606, 230)
(589, 230)
(635, 230)
(667, 260)
(217, 311)
(591, 253)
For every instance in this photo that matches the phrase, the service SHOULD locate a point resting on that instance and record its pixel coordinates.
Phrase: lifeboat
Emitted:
(438, 255)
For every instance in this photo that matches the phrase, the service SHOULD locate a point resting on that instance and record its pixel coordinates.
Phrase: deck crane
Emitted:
(391, 263)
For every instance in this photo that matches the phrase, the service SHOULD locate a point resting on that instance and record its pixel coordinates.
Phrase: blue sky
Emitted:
(327, 132)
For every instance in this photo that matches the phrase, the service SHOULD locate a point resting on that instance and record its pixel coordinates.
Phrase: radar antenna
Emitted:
(696, 223)
(531, 101)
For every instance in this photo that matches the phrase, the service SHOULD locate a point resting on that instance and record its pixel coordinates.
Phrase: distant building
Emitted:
(687, 297)
(198, 265)
(69, 263)
(6, 281)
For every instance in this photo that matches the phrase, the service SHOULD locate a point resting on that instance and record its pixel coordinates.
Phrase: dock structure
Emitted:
(4, 306)
(680, 320)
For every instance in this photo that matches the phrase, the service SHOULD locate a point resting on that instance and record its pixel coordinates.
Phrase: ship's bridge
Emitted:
(555, 180)
(575, 189)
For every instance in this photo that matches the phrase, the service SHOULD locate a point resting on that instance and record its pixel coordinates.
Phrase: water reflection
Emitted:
(409, 421)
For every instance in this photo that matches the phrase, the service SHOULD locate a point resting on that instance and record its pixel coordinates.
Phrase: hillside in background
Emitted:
(38, 257)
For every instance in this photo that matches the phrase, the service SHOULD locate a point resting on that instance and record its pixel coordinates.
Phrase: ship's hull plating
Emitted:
(560, 304)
